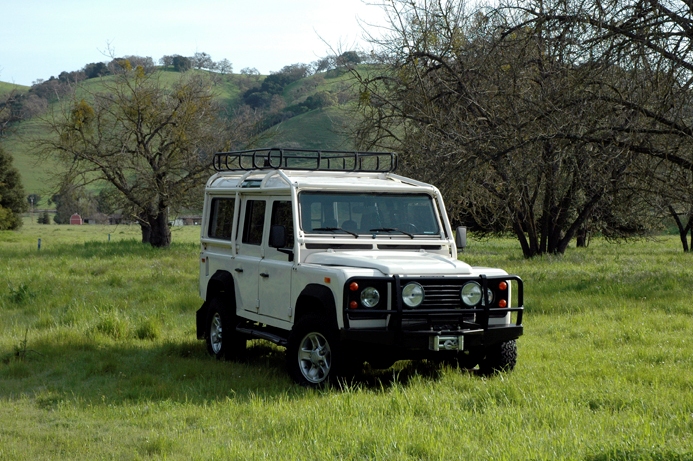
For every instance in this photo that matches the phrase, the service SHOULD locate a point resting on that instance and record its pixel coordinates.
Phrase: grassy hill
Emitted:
(316, 129)
(35, 173)
(7, 87)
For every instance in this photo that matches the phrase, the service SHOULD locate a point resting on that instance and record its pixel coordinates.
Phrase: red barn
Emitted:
(76, 219)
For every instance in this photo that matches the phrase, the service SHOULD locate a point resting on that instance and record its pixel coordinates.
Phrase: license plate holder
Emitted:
(446, 343)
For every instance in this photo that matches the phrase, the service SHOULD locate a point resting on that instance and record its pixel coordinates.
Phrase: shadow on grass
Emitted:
(80, 369)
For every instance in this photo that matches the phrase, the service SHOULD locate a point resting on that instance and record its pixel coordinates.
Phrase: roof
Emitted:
(308, 169)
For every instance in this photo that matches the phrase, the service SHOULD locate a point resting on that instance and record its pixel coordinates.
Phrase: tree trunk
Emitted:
(522, 238)
(683, 231)
(155, 229)
(146, 231)
(160, 232)
(582, 237)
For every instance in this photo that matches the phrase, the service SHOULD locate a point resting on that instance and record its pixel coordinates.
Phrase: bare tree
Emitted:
(150, 142)
(203, 61)
(224, 66)
(506, 123)
(653, 40)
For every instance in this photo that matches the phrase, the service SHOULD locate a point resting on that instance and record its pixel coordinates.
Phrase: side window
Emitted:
(221, 218)
(282, 216)
(254, 222)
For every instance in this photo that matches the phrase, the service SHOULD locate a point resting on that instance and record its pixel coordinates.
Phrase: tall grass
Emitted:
(98, 359)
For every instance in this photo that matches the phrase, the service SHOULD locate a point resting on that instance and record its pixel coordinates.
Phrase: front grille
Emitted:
(445, 294)
(441, 296)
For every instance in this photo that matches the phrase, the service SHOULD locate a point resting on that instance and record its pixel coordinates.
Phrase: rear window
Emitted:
(221, 218)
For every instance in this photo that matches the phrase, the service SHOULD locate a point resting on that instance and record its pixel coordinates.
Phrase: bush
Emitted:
(12, 198)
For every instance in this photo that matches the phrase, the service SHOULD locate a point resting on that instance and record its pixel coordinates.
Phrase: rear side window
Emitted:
(254, 222)
(221, 218)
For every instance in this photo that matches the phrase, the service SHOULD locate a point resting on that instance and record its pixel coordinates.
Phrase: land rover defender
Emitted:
(340, 260)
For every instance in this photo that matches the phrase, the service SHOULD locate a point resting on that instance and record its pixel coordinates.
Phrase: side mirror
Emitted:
(461, 238)
(277, 237)
(278, 240)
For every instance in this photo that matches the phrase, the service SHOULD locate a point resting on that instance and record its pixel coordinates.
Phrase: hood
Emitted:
(391, 263)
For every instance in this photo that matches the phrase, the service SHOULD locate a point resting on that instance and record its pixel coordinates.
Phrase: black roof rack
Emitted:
(305, 159)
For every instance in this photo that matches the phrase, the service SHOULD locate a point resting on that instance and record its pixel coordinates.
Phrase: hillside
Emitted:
(7, 87)
(297, 126)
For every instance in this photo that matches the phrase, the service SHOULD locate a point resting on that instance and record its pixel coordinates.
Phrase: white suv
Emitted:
(340, 260)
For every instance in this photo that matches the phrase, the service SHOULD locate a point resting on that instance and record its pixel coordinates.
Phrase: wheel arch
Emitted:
(316, 300)
(221, 285)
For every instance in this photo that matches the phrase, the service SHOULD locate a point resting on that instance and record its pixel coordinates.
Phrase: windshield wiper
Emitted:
(332, 229)
(391, 229)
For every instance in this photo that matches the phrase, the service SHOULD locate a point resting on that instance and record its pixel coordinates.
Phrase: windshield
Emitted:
(362, 213)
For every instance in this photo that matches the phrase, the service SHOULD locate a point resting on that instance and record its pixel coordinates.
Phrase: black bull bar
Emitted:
(409, 328)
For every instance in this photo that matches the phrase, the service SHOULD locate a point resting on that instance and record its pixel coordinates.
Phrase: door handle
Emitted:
(264, 274)
(239, 270)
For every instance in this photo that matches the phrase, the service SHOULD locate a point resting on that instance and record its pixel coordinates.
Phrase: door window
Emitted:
(282, 216)
(254, 222)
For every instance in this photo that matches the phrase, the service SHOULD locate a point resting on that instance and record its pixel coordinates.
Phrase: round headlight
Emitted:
(370, 297)
(471, 293)
(412, 294)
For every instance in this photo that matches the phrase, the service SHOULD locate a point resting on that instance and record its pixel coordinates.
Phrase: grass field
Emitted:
(98, 360)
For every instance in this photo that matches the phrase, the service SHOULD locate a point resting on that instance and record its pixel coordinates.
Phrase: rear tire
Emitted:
(499, 358)
(223, 341)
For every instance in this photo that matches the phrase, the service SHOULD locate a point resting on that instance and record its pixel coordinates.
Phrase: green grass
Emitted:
(35, 173)
(98, 360)
(6, 87)
(317, 129)
(320, 128)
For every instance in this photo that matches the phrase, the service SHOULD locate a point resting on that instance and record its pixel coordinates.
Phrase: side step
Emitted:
(261, 334)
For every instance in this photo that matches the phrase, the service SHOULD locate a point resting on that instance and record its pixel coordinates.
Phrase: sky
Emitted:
(41, 38)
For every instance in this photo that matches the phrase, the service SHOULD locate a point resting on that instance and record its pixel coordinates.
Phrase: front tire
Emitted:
(499, 358)
(312, 352)
(223, 341)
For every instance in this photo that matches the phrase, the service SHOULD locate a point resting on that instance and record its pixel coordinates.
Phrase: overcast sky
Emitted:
(41, 38)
